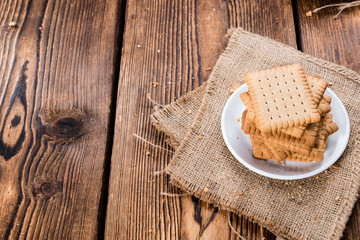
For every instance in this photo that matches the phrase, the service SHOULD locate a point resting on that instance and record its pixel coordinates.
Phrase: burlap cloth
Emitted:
(312, 208)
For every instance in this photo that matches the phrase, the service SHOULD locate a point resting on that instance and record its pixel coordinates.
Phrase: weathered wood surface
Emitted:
(56, 78)
(173, 43)
(57, 66)
(336, 40)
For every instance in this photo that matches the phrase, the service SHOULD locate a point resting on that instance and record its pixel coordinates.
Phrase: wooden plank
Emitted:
(335, 40)
(173, 43)
(56, 78)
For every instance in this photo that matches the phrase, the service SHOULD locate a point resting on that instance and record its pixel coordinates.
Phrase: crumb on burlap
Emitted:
(335, 166)
(234, 87)
(309, 13)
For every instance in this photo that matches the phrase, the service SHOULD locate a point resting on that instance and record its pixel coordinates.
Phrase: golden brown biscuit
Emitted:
(280, 89)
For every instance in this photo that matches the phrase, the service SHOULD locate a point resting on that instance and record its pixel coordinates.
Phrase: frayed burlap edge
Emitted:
(347, 206)
(168, 110)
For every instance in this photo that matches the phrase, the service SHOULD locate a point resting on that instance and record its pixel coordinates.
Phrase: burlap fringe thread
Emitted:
(151, 144)
(341, 7)
(156, 104)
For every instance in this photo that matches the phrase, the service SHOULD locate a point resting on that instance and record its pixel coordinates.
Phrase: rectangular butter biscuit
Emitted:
(281, 89)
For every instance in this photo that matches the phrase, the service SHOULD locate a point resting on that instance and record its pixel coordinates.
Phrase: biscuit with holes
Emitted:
(281, 143)
(260, 152)
(330, 126)
(327, 127)
(281, 89)
(314, 156)
(289, 143)
(308, 138)
(263, 150)
(259, 148)
(317, 87)
(277, 143)
(248, 117)
(324, 106)
(297, 131)
(250, 127)
(327, 98)
(310, 133)
(277, 152)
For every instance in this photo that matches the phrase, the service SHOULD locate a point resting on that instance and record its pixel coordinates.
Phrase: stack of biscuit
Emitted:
(287, 114)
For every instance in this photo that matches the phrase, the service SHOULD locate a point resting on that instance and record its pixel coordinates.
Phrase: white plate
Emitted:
(240, 146)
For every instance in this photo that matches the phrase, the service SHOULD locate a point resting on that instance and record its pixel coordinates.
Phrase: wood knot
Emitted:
(48, 189)
(67, 128)
(45, 187)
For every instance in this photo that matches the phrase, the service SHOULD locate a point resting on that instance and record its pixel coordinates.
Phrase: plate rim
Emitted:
(243, 88)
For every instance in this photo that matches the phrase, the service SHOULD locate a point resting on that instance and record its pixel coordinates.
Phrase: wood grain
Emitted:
(336, 40)
(173, 43)
(56, 66)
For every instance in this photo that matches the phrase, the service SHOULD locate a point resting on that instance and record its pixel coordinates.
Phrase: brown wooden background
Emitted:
(74, 76)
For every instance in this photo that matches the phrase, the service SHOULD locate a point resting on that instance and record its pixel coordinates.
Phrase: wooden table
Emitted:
(74, 79)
